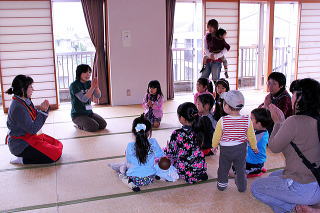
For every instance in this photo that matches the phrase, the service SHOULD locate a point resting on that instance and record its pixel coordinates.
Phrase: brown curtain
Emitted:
(170, 5)
(93, 13)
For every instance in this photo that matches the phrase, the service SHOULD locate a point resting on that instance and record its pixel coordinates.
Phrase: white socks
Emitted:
(17, 160)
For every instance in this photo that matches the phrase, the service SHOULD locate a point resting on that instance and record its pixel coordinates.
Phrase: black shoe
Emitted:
(157, 177)
(136, 189)
(203, 177)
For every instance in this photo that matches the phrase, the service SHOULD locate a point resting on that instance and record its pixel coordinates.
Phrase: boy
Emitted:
(233, 132)
(261, 120)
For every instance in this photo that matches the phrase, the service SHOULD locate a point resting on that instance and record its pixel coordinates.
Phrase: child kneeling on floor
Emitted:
(139, 169)
(141, 154)
(184, 148)
(233, 132)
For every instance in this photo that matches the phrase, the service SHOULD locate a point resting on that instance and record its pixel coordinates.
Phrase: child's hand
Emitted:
(255, 150)
(94, 83)
(149, 104)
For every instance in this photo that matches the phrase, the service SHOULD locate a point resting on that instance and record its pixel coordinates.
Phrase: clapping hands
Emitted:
(44, 106)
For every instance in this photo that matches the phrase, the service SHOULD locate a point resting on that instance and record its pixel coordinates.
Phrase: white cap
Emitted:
(233, 98)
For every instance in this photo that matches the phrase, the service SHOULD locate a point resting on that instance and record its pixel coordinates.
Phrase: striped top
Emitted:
(234, 130)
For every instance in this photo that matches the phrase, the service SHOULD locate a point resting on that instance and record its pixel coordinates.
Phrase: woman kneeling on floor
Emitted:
(81, 92)
(24, 121)
(296, 185)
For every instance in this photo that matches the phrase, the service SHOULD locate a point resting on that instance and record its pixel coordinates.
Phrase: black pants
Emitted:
(32, 156)
(90, 123)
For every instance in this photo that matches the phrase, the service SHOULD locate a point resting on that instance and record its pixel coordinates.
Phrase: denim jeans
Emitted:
(213, 68)
(282, 194)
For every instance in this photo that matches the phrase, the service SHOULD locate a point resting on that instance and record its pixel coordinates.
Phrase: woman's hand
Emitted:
(44, 106)
(267, 101)
(94, 83)
(276, 114)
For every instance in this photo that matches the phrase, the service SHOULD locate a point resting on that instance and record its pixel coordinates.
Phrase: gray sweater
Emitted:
(19, 123)
(301, 130)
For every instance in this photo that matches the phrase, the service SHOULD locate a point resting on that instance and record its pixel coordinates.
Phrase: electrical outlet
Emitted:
(128, 92)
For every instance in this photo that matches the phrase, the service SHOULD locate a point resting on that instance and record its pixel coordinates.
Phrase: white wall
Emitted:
(134, 66)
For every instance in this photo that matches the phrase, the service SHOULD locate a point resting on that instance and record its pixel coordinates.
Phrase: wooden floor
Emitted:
(82, 182)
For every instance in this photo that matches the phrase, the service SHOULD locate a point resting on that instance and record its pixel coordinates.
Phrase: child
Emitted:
(141, 154)
(165, 171)
(204, 104)
(152, 103)
(184, 149)
(232, 132)
(203, 85)
(222, 86)
(219, 45)
(261, 120)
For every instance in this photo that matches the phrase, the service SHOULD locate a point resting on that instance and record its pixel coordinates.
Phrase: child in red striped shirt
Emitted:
(232, 133)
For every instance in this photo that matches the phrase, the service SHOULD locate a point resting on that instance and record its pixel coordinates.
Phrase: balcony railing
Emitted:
(66, 64)
(187, 63)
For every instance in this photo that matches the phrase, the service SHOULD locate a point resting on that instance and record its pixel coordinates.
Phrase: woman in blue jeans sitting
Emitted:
(285, 189)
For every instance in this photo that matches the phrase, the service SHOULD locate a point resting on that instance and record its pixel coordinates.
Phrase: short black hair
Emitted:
(221, 32)
(206, 99)
(279, 77)
(82, 68)
(263, 116)
(213, 23)
(20, 85)
(308, 99)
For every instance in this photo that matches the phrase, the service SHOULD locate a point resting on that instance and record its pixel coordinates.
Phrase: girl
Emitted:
(141, 154)
(222, 86)
(24, 121)
(81, 92)
(184, 147)
(153, 102)
(204, 105)
(203, 87)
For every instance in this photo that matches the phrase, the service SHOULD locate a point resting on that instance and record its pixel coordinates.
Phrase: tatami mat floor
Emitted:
(81, 181)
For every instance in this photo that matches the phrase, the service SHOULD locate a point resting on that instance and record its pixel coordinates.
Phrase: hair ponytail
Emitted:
(10, 91)
(190, 112)
(142, 145)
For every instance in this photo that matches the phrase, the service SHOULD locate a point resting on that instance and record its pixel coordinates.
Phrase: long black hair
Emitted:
(308, 96)
(155, 84)
(20, 85)
(142, 145)
(190, 112)
(82, 68)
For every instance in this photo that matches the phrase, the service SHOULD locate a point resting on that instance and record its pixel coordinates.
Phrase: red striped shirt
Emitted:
(235, 128)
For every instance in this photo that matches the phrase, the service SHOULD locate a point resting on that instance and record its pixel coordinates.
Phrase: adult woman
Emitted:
(214, 64)
(278, 94)
(24, 121)
(81, 91)
(295, 185)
